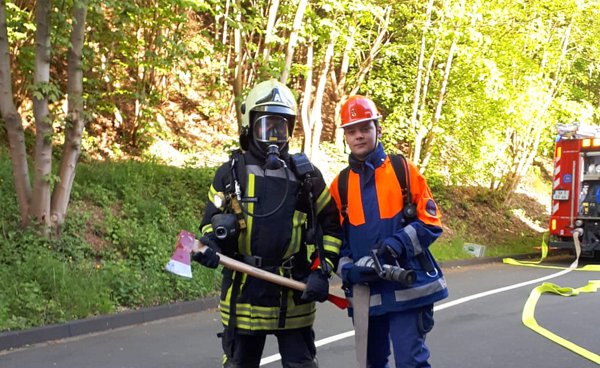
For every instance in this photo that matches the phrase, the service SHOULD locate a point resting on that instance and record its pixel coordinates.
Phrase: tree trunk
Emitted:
(418, 85)
(75, 119)
(380, 41)
(525, 153)
(238, 75)
(40, 206)
(421, 112)
(316, 114)
(306, 101)
(224, 60)
(293, 40)
(440, 103)
(270, 29)
(340, 86)
(14, 125)
(423, 130)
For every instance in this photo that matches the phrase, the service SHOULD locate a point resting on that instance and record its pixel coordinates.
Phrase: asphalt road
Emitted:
(472, 330)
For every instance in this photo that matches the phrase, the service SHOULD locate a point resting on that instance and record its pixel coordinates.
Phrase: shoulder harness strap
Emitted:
(400, 166)
(237, 166)
(304, 171)
(343, 191)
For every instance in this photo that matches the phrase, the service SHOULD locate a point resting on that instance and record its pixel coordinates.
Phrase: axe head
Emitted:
(180, 262)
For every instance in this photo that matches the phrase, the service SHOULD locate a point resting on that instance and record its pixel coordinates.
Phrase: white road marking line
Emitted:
(328, 340)
(498, 290)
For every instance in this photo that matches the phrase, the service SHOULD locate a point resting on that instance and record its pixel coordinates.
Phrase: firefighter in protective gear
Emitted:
(291, 229)
(374, 218)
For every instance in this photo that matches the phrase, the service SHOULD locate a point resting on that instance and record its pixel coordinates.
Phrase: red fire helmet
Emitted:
(358, 109)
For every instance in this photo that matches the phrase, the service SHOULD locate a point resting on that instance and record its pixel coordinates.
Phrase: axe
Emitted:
(188, 241)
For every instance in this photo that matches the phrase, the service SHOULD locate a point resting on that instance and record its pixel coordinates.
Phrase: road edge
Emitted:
(17, 339)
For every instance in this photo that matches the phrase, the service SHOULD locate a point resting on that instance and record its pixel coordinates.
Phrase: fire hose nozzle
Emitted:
(393, 273)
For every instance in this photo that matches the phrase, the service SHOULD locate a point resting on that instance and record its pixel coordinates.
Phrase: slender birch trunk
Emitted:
(40, 206)
(224, 63)
(527, 152)
(293, 40)
(316, 119)
(238, 74)
(14, 124)
(418, 86)
(75, 118)
(306, 100)
(270, 29)
(340, 85)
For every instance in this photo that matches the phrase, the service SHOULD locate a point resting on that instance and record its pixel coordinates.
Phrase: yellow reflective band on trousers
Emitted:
(256, 318)
(528, 316)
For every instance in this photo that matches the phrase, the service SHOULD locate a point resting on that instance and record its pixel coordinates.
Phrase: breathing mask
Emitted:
(271, 135)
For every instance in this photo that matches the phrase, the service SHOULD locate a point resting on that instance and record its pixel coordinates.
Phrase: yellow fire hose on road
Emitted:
(528, 316)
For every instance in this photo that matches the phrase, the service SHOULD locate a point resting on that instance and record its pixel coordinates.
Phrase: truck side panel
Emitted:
(565, 188)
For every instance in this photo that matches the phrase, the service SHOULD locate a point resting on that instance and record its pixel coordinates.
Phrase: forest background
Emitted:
(116, 114)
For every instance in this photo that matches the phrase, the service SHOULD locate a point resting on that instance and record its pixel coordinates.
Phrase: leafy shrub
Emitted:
(120, 231)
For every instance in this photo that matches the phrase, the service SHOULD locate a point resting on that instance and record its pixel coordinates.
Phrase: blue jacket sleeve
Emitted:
(414, 239)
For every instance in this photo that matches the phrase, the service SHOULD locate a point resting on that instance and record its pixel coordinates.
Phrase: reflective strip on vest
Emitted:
(244, 245)
(323, 199)
(297, 228)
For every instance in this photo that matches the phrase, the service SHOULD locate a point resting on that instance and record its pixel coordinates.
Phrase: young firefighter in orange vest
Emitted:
(395, 227)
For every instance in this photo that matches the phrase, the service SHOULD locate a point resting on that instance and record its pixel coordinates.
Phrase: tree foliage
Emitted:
(470, 89)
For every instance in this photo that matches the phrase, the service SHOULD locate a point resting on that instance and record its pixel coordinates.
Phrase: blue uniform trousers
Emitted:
(407, 331)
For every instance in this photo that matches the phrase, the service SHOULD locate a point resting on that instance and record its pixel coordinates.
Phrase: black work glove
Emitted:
(317, 287)
(387, 252)
(209, 258)
(352, 274)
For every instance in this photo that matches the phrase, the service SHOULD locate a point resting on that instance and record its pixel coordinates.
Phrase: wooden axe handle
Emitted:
(236, 265)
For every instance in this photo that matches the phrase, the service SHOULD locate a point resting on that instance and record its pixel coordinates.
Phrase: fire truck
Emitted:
(576, 189)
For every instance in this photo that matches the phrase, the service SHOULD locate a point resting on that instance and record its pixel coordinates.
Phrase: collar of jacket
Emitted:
(373, 159)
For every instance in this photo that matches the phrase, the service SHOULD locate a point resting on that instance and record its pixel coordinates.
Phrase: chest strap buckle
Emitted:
(288, 264)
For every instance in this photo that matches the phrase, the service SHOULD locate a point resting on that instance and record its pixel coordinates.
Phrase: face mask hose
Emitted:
(273, 162)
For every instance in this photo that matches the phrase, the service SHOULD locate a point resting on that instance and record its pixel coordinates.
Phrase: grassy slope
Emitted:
(122, 226)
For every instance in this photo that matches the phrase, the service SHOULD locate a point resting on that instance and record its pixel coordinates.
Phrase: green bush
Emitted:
(120, 231)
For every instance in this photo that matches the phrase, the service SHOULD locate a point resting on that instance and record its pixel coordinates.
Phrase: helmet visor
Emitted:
(271, 129)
